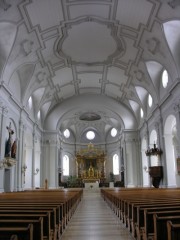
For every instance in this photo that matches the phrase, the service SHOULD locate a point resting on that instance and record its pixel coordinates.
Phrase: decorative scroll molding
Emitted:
(154, 46)
(4, 5)
(176, 107)
(139, 75)
(40, 76)
(173, 4)
(24, 49)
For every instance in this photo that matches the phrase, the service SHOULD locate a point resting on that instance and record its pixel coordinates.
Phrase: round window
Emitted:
(113, 132)
(90, 135)
(66, 133)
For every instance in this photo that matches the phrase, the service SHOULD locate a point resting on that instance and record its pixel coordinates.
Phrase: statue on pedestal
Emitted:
(91, 171)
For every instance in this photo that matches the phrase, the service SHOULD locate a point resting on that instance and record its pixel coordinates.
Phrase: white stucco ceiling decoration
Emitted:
(89, 116)
(82, 56)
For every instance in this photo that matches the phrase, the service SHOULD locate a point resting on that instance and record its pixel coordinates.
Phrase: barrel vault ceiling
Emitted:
(101, 56)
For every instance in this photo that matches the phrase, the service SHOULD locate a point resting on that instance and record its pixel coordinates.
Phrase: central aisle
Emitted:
(94, 220)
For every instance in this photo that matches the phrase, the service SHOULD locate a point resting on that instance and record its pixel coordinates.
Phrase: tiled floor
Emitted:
(94, 220)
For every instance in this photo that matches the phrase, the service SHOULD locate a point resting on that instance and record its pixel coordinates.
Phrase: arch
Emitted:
(172, 34)
(170, 138)
(84, 102)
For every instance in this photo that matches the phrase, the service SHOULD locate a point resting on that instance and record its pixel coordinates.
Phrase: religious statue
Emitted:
(91, 171)
(9, 141)
(13, 149)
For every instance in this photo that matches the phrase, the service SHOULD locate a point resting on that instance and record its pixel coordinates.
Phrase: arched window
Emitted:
(115, 164)
(30, 103)
(150, 100)
(39, 115)
(66, 165)
(141, 113)
(164, 78)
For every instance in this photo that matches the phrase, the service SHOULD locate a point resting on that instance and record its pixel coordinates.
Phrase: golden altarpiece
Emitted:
(91, 164)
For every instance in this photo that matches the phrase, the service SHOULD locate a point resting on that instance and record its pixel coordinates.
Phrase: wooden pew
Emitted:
(51, 219)
(160, 224)
(37, 225)
(62, 204)
(173, 230)
(56, 218)
(23, 233)
(129, 205)
(143, 216)
(30, 217)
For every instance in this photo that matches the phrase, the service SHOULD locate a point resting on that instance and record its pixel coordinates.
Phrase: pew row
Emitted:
(55, 207)
(136, 208)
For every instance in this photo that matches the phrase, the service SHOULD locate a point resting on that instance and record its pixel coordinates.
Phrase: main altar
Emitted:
(91, 165)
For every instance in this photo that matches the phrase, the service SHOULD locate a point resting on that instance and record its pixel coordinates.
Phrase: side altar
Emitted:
(91, 164)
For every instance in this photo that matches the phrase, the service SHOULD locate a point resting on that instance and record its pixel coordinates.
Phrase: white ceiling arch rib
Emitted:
(85, 102)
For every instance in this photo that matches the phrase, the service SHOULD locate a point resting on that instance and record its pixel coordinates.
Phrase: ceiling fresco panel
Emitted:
(89, 9)
(113, 91)
(67, 91)
(63, 76)
(133, 12)
(89, 80)
(89, 42)
(116, 75)
(52, 13)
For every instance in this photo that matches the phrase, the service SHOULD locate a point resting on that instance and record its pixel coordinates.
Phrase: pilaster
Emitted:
(50, 161)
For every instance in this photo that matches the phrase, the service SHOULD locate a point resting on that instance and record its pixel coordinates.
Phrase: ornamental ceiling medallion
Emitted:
(89, 116)
(88, 47)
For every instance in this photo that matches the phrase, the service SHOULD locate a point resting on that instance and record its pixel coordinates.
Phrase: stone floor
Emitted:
(94, 220)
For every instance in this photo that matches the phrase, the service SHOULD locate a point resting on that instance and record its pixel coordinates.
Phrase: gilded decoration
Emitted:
(91, 164)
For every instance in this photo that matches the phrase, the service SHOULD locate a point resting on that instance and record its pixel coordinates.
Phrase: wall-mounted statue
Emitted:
(13, 149)
(9, 141)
